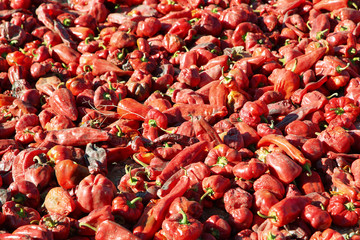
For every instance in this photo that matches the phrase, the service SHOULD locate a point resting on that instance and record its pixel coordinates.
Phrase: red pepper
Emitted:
(218, 227)
(191, 208)
(336, 139)
(95, 192)
(58, 224)
(318, 218)
(253, 112)
(309, 184)
(17, 215)
(287, 210)
(24, 193)
(270, 183)
(34, 231)
(215, 186)
(128, 206)
(185, 157)
(110, 230)
(151, 219)
(69, 173)
(264, 200)
(304, 62)
(59, 201)
(344, 212)
(342, 107)
(181, 226)
(284, 168)
(290, 149)
(236, 198)
(77, 136)
(266, 128)
(89, 223)
(240, 218)
(250, 170)
(327, 234)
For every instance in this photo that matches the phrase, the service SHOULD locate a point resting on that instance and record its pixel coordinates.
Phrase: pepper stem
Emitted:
(184, 219)
(67, 22)
(221, 161)
(209, 191)
(295, 65)
(339, 69)
(349, 206)
(320, 35)
(306, 167)
(139, 162)
(264, 216)
(131, 203)
(82, 224)
(128, 171)
(19, 198)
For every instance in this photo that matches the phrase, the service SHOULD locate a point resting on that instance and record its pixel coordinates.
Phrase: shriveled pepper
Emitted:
(250, 170)
(318, 218)
(218, 227)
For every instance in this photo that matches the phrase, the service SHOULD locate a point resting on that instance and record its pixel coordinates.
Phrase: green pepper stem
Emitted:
(83, 224)
(307, 168)
(308, 25)
(339, 69)
(264, 216)
(349, 206)
(333, 95)
(19, 198)
(221, 161)
(295, 65)
(320, 35)
(119, 133)
(209, 191)
(131, 179)
(139, 162)
(184, 219)
(67, 22)
(131, 203)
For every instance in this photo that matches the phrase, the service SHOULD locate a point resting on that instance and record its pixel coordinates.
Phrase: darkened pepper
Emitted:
(318, 218)
(181, 226)
(253, 112)
(24, 193)
(343, 211)
(287, 210)
(215, 186)
(218, 227)
(18, 215)
(58, 224)
(128, 206)
(283, 167)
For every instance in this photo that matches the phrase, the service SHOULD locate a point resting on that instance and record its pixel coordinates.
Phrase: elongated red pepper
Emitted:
(287, 210)
(304, 62)
(286, 146)
(185, 157)
(78, 136)
(151, 220)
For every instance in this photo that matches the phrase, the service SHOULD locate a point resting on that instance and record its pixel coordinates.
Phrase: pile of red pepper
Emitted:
(180, 119)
